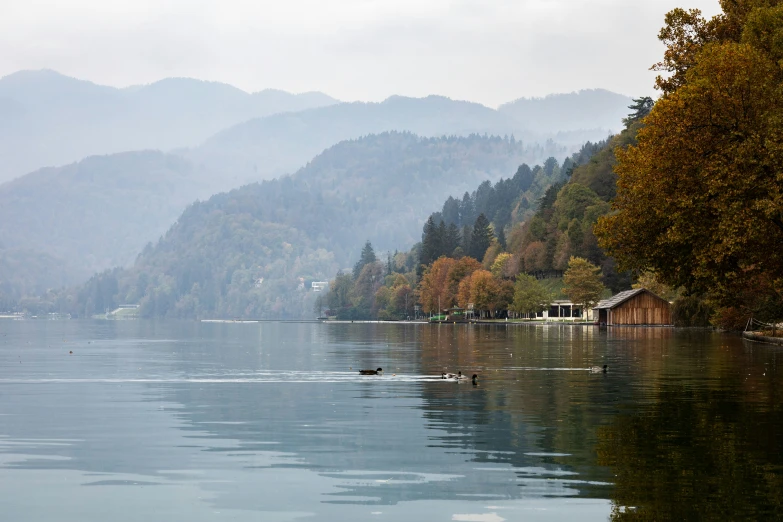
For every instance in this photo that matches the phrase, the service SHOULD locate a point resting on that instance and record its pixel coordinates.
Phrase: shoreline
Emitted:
(755, 337)
(450, 323)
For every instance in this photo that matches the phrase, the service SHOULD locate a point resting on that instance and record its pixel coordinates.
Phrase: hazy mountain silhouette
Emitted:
(99, 212)
(263, 148)
(47, 119)
(582, 110)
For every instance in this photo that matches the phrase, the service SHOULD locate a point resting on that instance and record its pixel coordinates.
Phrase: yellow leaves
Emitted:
(582, 282)
(500, 264)
(698, 197)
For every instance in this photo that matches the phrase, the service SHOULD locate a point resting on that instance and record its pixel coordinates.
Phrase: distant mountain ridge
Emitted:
(99, 212)
(265, 148)
(48, 119)
(585, 109)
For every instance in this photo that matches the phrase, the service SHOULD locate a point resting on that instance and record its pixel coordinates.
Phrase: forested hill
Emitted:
(510, 201)
(510, 205)
(483, 249)
(250, 252)
(562, 225)
(97, 213)
(25, 272)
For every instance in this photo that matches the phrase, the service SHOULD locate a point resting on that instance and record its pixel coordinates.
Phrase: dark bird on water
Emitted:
(464, 378)
(379, 371)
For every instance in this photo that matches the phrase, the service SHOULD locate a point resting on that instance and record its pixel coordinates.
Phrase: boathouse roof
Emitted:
(618, 299)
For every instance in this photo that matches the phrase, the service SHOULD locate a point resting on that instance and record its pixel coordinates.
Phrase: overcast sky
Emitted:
(489, 51)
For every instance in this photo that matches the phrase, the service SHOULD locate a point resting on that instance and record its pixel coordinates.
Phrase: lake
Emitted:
(165, 421)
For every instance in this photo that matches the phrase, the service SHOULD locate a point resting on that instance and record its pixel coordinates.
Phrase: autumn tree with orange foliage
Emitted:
(434, 288)
(700, 198)
(485, 292)
(461, 269)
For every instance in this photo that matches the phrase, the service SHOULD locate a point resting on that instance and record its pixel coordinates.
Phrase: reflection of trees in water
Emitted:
(518, 408)
(685, 446)
(705, 449)
(431, 427)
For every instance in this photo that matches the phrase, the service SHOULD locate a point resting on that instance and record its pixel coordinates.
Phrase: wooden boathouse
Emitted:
(638, 307)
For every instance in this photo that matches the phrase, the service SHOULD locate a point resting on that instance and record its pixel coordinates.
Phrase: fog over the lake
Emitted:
(485, 51)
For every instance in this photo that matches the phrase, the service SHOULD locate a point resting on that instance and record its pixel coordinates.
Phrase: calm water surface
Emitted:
(271, 422)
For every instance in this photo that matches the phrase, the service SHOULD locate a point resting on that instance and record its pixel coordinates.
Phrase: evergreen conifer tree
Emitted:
(466, 210)
(501, 237)
(428, 244)
(452, 240)
(442, 247)
(481, 238)
(467, 233)
(641, 107)
(367, 257)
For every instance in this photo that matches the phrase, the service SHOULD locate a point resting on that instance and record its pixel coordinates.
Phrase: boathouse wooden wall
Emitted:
(642, 309)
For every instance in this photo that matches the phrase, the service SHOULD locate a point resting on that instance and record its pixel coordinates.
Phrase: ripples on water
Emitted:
(175, 421)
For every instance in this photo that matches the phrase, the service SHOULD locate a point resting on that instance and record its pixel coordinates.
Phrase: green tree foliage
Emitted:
(700, 198)
(367, 257)
(530, 297)
(251, 251)
(690, 310)
(99, 294)
(481, 237)
(395, 300)
(340, 291)
(430, 244)
(641, 107)
(366, 285)
(503, 203)
(582, 283)
(649, 281)
(98, 213)
(501, 265)
(562, 226)
(27, 273)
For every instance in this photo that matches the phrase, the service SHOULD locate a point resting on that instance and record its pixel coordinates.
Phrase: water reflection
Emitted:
(274, 418)
(706, 445)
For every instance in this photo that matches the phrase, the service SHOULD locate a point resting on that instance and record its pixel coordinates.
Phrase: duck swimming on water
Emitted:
(598, 369)
(379, 371)
(464, 378)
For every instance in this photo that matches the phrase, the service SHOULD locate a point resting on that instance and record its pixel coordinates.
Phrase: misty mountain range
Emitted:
(245, 253)
(48, 119)
(100, 211)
